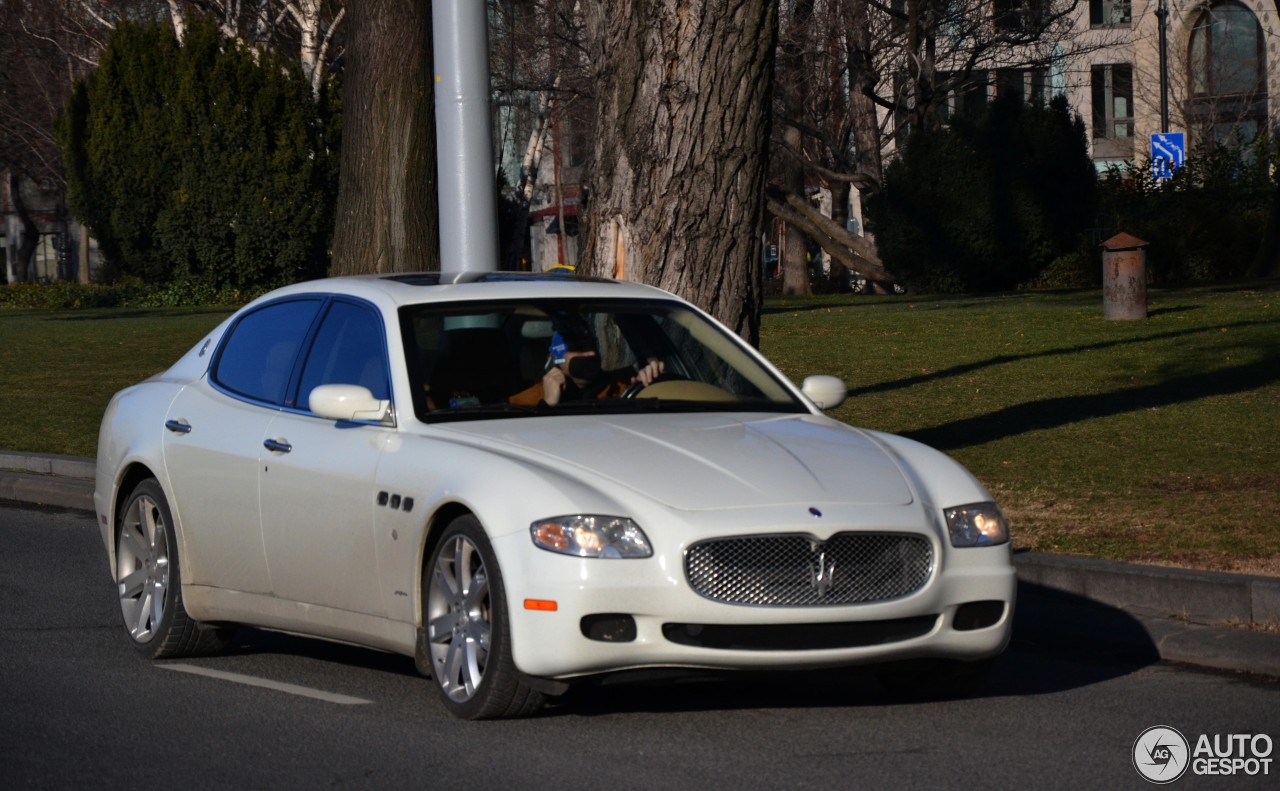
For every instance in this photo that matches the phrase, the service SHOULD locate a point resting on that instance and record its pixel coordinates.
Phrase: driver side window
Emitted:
(349, 350)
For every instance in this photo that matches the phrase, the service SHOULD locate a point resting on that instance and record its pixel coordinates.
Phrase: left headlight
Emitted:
(977, 525)
(590, 536)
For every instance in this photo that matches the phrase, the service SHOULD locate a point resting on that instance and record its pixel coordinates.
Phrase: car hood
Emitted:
(700, 461)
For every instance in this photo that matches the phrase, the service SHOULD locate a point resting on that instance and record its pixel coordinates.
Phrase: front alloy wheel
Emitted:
(468, 636)
(460, 618)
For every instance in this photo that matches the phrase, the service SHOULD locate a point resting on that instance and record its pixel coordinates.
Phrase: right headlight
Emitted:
(977, 525)
(591, 536)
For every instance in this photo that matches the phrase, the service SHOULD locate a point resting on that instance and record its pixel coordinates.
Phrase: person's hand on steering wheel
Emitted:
(649, 373)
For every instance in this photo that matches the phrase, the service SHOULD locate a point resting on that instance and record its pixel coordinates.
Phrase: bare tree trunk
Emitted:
(922, 69)
(387, 211)
(862, 87)
(82, 236)
(793, 255)
(854, 252)
(677, 187)
(178, 19)
(524, 190)
(30, 233)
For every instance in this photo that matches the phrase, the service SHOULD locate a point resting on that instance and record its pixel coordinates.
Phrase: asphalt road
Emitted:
(79, 708)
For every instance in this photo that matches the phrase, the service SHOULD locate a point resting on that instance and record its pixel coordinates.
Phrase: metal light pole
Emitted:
(464, 152)
(1162, 15)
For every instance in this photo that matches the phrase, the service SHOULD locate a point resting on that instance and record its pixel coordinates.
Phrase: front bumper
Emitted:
(964, 611)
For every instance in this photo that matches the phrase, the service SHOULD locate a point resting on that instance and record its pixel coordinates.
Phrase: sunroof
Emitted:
(448, 278)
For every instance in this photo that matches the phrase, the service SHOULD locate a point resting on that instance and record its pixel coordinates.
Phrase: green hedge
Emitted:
(61, 295)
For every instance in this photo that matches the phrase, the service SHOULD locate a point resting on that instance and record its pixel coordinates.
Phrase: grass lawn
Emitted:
(1154, 441)
(59, 369)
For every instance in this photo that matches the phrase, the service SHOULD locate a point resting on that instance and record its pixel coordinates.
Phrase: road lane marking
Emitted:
(279, 686)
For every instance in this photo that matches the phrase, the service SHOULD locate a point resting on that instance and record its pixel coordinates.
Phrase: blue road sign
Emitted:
(1168, 152)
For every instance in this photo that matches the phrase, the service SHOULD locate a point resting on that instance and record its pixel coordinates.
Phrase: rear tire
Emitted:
(149, 581)
(467, 631)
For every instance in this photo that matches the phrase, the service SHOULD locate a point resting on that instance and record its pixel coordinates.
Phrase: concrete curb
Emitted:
(1145, 613)
(48, 464)
(52, 490)
(1204, 597)
(45, 479)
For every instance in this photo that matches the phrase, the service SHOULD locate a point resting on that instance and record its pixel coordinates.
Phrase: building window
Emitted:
(1112, 88)
(1227, 66)
(1110, 13)
(966, 95)
(1028, 85)
(1020, 16)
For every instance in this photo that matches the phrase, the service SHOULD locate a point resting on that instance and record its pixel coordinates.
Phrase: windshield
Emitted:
(511, 358)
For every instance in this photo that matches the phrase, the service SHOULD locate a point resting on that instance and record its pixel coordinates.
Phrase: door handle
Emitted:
(277, 445)
(179, 426)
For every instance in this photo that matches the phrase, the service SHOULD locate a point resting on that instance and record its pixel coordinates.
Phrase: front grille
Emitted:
(797, 570)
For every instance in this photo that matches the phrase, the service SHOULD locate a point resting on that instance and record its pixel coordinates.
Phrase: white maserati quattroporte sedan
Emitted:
(522, 481)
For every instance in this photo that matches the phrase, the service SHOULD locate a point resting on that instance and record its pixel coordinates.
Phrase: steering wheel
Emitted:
(636, 388)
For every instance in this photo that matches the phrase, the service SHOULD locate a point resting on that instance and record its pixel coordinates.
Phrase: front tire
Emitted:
(468, 633)
(149, 581)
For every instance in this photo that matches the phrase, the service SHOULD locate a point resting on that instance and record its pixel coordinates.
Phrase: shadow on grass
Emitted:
(1171, 311)
(966, 368)
(1056, 412)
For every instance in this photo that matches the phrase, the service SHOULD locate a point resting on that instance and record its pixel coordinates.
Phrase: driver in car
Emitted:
(574, 372)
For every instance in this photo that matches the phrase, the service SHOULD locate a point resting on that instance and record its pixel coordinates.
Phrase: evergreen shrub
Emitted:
(987, 205)
(201, 163)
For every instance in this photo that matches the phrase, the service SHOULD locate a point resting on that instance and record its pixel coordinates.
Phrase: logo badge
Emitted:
(823, 573)
(1161, 754)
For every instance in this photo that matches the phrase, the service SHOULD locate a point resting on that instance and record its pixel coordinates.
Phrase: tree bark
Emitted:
(677, 188)
(387, 210)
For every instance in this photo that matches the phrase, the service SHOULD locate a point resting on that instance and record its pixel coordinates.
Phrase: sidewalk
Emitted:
(1146, 613)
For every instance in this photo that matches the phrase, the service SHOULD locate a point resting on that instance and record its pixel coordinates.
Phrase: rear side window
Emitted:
(349, 350)
(257, 358)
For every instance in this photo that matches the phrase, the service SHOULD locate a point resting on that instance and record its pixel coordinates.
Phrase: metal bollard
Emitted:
(1124, 278)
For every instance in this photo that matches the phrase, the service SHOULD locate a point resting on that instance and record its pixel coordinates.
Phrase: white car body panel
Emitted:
(317, 497)
(216, 466)
(300, 542)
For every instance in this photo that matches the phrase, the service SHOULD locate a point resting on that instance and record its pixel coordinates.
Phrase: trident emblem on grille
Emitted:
(823, 573)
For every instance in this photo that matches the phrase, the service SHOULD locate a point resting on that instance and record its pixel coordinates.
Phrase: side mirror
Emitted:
(826, 392)
(350, 402)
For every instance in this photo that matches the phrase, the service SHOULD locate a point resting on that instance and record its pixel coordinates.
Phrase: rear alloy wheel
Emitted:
(149, 582)
(468, 635)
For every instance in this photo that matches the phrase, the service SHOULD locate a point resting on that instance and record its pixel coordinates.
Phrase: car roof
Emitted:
(396, 290)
